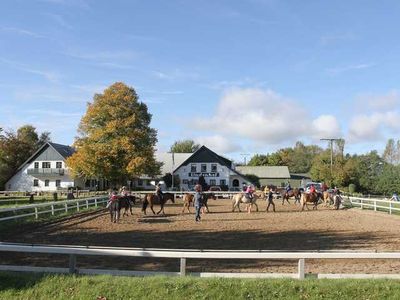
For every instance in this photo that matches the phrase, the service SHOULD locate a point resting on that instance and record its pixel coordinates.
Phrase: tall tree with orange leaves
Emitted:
(115, 139)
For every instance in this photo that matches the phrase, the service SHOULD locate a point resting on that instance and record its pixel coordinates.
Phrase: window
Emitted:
(193, 168)
(214, 168)
(185, 181)
(94, 183)
(59, 165)
(213, 182)
(140, 182)
(87, 183)
(58, 183)
(36, 165)
(222, 182)
(35, 182)
(46, 182)
(46, 165)
(203, 168)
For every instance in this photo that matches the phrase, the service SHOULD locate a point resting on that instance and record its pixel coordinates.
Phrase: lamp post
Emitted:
(172, 171)
(331, 140)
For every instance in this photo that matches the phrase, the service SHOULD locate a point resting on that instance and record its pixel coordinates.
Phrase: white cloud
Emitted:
(386, 102)
(374, 126)
(326, 126)
(21, 31)
(347, 68)
(218, 144)
(175, 75)
(49, 75)
(265, 117)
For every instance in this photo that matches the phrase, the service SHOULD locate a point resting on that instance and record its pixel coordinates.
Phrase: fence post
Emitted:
(72, 263)
(36, 213)
(183, 267)
(390, 207)
(361, 201)
(66, 207)
(77, 205)
(301, 272)
(52, 210)
(95, 202)
(87, 204)
(374, 205)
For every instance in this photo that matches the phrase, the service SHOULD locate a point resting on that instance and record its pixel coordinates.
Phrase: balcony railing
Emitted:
(47, 171)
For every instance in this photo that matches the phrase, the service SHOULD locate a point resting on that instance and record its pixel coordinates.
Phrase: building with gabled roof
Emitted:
(45, 170)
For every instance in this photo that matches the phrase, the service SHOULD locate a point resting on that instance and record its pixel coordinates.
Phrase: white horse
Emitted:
(241, 198)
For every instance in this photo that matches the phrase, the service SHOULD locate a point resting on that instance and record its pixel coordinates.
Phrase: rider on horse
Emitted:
(288, 187)
(249, 191)
(159, 191)
(112, 198)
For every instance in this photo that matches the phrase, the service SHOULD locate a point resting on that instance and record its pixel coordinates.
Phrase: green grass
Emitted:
(29, 286)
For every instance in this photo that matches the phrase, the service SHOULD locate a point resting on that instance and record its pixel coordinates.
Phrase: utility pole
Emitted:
(331, 140)
(245, 156)
(172, 171)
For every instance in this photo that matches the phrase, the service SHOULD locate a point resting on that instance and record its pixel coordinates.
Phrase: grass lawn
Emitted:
(31, 286)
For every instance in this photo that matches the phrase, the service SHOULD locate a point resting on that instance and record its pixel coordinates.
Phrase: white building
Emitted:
(45, 170)
(215, 169)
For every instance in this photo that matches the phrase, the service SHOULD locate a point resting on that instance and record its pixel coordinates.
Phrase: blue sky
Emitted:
(247, 76)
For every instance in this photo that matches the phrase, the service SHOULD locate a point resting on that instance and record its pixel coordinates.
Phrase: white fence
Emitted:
(183, 255)
(50, 207)
(375, 204)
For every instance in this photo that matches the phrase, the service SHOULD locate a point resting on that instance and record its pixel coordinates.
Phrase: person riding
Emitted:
(159, 191)
(249, 191)
(324, 187)
(123, 192)
(395, 197)
(312, 189)
(288, 187)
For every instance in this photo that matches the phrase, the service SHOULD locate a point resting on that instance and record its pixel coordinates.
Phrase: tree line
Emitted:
(368, 173)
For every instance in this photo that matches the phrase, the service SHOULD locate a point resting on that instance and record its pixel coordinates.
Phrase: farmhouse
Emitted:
(215, 169)
(45, 170)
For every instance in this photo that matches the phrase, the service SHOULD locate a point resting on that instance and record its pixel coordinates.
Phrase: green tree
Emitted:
(168, 180)
(16, 148)
(258, 160)
(184, 146)
(115, 139)
(391, 154)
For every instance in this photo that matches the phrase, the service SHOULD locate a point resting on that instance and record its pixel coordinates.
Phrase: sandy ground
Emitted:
(287, 229)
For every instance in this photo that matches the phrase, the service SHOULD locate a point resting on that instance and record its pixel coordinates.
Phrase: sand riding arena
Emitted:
(287, 229)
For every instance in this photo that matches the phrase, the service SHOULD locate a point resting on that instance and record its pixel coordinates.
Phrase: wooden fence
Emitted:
(375, 204)
(183, 254)
(50, 208)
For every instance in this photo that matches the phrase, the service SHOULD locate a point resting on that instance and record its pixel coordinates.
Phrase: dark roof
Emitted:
(300, 176)
(64, 150)
(203, 154)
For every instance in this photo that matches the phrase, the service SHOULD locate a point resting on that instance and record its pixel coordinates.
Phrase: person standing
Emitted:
(197, 201)
(270, 199)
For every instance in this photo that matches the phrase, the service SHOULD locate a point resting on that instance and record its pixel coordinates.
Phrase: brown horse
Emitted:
(327, 198)
(152, 199)
(291, 193)
(187, 201)
(207, 196)
(309, 198)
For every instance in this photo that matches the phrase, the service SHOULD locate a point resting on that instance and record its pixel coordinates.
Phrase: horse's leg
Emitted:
(152, 209)
(273, 205)
(207, 208)
(256, 206)
(161, 208)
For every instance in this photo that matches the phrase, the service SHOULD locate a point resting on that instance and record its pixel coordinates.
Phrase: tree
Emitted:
(16, 148)
(184, 146)
(168, 180)
(391, 154)
(254, 179)
(115, 139)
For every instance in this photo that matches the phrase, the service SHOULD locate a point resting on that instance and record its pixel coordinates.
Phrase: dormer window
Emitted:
(46, 165)
(193, 168)
(58, 164)
(36, 165)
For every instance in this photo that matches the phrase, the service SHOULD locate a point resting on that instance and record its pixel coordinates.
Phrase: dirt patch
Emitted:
(287, 229)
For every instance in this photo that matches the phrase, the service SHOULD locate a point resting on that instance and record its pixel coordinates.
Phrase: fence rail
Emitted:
(184, 254)
(375, 204)
(50, 207)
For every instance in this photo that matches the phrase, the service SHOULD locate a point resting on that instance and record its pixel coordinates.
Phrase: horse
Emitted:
(204, 202)
(309, 198)
(152, 199)
(291, 193)
(127, 203)
(242, 198)
(114, 211)
(337, 201)
(327, 198)
(187, 201)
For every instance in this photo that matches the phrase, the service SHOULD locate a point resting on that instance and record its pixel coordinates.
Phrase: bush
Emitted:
(352, 188)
